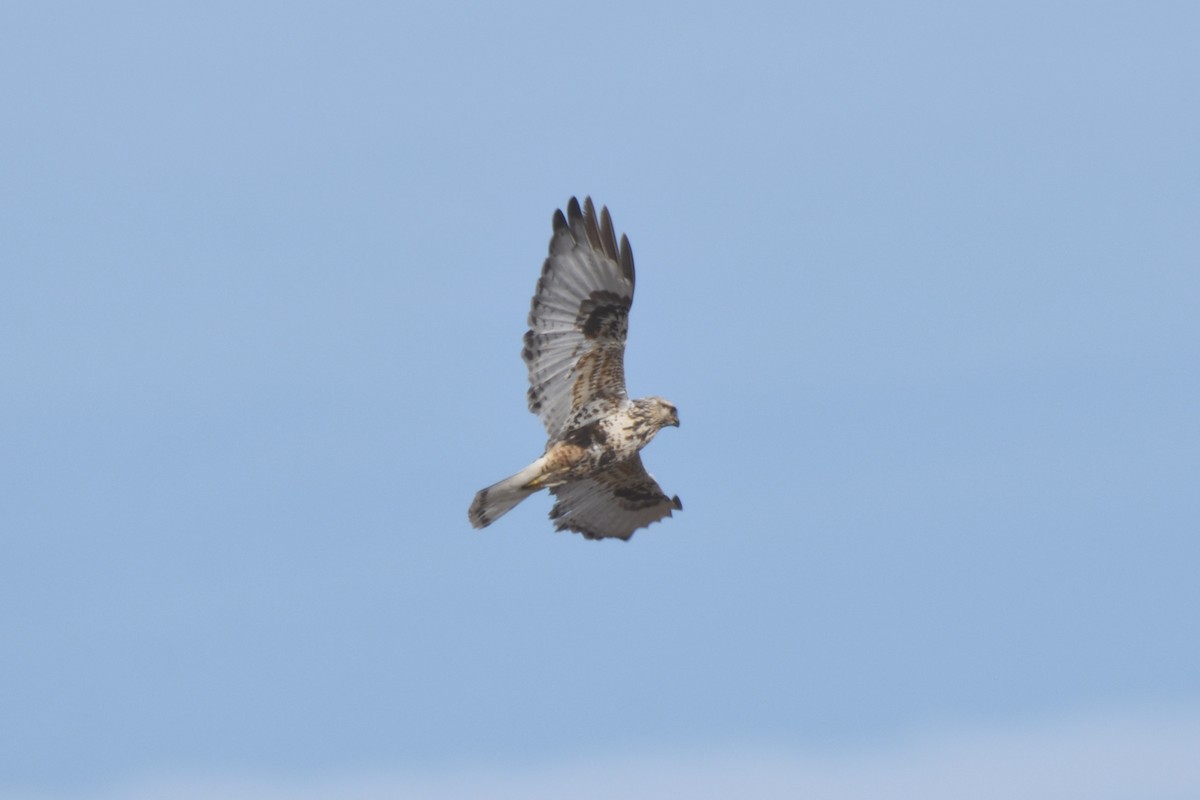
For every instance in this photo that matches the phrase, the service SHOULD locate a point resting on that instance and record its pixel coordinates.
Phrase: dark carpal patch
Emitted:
(604, 314)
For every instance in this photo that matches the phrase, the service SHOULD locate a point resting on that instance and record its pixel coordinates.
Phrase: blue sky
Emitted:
(923, 282)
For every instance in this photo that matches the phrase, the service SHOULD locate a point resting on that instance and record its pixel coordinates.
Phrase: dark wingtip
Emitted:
(599, 230)
(591, 225)
(626, 259)
(608, 237)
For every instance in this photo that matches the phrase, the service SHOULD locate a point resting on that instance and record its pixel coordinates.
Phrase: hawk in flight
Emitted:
(575, 352)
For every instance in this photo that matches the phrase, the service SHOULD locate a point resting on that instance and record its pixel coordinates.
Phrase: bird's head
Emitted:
(665, 413)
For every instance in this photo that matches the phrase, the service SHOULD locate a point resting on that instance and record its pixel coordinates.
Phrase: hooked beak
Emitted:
(674, 418)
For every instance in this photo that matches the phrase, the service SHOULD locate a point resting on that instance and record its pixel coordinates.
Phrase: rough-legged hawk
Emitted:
(575, 351)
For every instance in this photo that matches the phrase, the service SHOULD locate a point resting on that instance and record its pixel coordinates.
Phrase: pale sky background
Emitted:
(923, 280)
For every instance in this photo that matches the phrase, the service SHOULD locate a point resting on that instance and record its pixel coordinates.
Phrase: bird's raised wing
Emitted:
(613, 503)
(575, 346)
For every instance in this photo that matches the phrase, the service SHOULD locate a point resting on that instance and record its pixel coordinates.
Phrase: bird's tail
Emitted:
(498, 499)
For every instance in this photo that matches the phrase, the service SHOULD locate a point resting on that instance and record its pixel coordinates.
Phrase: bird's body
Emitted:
(574, 351)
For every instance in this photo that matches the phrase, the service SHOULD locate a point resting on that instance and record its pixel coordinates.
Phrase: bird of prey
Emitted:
(575, 352)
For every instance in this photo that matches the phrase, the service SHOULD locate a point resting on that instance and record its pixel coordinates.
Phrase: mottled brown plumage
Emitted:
(575, 353)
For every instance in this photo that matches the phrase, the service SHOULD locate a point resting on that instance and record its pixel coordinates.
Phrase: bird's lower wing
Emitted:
(613, 503)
